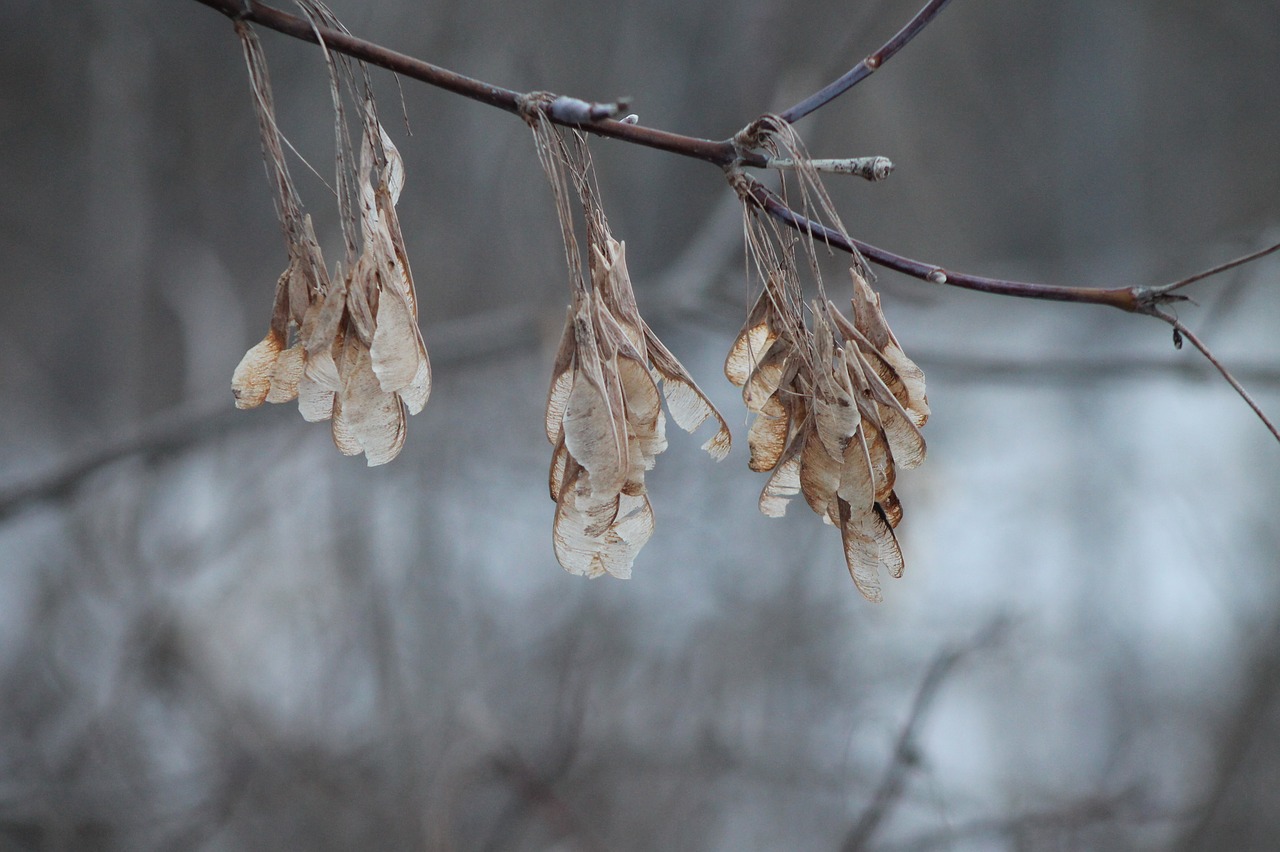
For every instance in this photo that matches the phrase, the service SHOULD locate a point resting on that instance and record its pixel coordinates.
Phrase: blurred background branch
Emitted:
(906, 754)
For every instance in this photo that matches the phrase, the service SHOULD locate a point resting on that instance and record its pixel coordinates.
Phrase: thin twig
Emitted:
(1183, 331)
(1123, 298)
(866, 67)
(1200, 276)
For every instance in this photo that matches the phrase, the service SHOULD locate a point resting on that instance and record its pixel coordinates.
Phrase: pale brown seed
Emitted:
(251, 381)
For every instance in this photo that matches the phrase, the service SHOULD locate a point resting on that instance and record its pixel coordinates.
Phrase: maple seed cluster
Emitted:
(347, 347)
(604, 410)
(837, 404)
(358, 356)
(604, 417)
(837, 410)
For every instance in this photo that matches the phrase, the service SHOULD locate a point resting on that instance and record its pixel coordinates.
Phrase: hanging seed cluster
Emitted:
(347, 347)
(837, 410)
(604, 410)
(837, 405)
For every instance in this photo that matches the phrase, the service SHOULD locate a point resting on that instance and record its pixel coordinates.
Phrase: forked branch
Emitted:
(733, 157)
(905, 749)
(723, 153)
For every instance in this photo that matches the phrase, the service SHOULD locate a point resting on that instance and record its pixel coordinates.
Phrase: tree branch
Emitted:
(720, 153)
(866, 67)
(1124, 298)
(1180, 331)
(172, 431)
(724, 153)
(732, 156)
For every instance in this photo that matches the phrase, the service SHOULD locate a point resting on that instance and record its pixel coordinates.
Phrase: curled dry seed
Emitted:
(383, 371)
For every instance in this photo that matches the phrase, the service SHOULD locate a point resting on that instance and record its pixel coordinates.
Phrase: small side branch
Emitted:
(1164, 289)
(866, 67)
(1180, 331)
(1119, 297)
(867, 168)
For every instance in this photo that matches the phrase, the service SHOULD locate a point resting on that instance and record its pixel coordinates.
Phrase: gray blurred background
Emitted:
(217, 633)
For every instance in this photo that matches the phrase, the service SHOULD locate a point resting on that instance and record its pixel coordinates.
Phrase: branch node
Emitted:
(752, 137)
(532, 105)
(1154, 297)
(937, 276)
(576, 111)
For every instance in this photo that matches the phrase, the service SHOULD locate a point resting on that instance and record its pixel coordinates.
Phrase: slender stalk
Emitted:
(1123, 298)
(866, 67)
(1222, 267)
(1183, 331)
